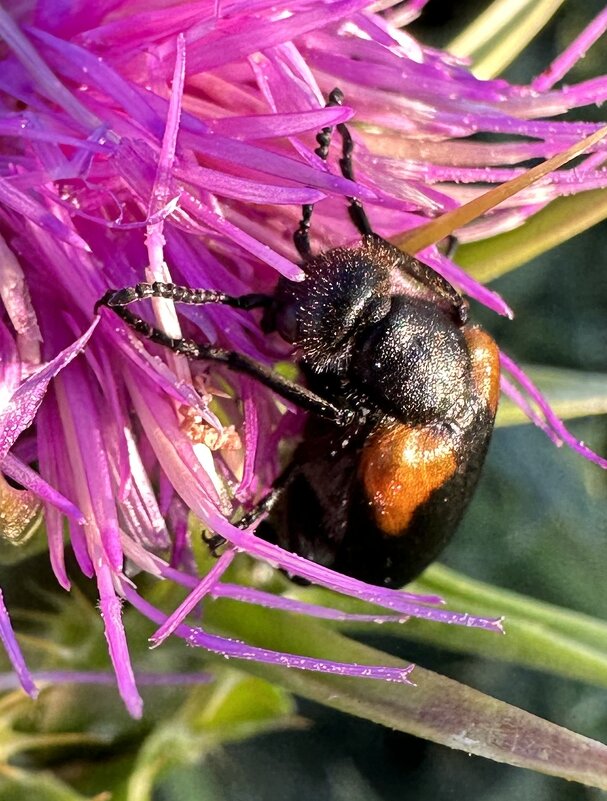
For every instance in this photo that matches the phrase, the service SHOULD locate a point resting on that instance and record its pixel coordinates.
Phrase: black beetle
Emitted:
(402, 393)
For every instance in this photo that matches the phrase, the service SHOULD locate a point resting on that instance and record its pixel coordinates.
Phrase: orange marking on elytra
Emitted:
(400, 468)
(484, 355)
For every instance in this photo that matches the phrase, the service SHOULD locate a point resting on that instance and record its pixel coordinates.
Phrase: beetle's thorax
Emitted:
(347, 324)
(344, 289)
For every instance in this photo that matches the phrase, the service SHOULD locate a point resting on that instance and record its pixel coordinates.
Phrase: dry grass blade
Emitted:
(430, 233)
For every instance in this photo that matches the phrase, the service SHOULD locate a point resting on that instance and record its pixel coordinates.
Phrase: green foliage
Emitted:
(437, 708)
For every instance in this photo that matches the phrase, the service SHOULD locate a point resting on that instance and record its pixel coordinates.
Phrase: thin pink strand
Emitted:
(572, 54)
(111, 612)
(194, 598)
(552, 420)
(7, 635)
(515, 395)
(240, 650)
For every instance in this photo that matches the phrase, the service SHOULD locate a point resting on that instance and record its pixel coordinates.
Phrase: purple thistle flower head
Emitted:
(176, 143)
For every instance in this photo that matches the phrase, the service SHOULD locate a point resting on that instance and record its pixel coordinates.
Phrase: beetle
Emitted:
(401, 389)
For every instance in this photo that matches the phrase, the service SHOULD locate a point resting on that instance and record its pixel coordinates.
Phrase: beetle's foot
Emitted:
(214, 542)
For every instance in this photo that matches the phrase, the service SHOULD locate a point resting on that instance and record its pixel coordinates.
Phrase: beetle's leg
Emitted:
(301, 237)
(451, 245)
(262, 507)
(267, 503)
(180, 294)
(214, 542)
(421, 272)
(289, 390)
(356, 210)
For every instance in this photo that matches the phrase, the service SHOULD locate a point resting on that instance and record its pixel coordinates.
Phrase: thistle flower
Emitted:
(177, 144)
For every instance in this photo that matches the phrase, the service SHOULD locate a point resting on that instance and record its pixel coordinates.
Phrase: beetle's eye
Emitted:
(287, 323)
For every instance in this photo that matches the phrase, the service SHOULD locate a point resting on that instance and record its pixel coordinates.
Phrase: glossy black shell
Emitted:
(373, 340)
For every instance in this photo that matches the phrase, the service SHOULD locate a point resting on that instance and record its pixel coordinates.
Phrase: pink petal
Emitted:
(24, 404)
(13, 651)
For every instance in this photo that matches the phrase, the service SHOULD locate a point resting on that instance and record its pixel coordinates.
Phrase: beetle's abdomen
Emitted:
(400, 468)
(403, 465)
(485, 363)
(416, 480)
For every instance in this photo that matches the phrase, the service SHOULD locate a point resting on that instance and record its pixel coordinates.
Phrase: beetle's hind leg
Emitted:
(262, 507)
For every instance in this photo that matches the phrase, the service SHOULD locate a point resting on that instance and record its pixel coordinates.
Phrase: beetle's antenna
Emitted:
(301, 237)
(357, 213)
(356, 210)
